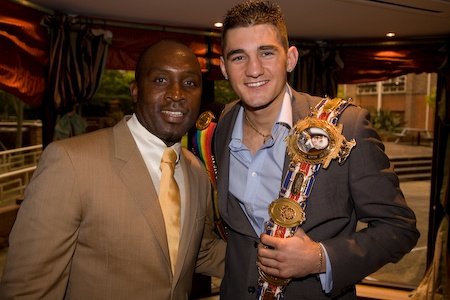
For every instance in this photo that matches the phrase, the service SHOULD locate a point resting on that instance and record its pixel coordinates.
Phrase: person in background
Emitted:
(92, 226)
(265, 184)
(70, 124)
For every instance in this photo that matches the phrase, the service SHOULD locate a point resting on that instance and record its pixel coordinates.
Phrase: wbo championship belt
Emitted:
(202, 145)
(312, 143)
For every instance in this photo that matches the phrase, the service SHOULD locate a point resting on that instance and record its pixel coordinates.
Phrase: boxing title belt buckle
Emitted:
(316, 141)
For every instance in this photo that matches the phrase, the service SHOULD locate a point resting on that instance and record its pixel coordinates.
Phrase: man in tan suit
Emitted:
(91, 226)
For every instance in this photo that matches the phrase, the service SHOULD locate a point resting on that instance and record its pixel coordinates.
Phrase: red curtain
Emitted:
(24, 55)
(374, 61)
(24, 46)
(128, 43)
(23, 52)
(323, 65)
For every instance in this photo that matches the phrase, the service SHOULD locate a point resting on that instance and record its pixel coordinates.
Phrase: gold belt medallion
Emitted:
(204, 119)
(316, 141)
(286, 212)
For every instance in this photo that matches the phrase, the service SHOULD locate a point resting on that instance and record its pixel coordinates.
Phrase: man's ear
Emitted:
(134, 91)
(222, 68)
(292, 58)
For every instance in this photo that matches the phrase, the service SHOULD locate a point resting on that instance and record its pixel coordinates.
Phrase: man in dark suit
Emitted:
(91, 225)
(326, 256)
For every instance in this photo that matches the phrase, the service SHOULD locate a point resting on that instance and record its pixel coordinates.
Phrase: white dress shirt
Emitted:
(151, 149)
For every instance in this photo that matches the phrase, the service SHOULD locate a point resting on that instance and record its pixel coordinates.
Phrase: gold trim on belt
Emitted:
(316, 141)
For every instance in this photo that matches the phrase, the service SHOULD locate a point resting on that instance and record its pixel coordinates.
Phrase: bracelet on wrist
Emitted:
(319, 247)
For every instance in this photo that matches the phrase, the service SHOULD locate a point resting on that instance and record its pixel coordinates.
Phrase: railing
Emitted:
(415, 133)
(16, 168)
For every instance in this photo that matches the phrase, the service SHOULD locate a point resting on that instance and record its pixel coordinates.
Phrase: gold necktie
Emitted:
(169, 199)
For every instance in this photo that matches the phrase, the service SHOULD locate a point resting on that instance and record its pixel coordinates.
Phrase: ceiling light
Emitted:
(218, 25)
(390, 34)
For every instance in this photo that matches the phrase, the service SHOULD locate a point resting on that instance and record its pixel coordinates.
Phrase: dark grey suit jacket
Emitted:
(364, 188)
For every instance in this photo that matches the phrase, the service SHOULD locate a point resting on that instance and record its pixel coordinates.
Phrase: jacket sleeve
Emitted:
(211, 257)
(44, 235)
(372, 188)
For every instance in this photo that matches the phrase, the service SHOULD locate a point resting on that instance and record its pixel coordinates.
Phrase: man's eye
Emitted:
(267, 53)
(190, 83)
(160, 80)
(237, 58)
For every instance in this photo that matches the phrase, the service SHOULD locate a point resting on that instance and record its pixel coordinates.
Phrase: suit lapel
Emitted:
(231, 211)
(135, 176)
(301, 107)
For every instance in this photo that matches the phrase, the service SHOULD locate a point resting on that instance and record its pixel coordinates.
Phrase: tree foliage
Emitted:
(385, 120)
(114, 85)
(223, 93)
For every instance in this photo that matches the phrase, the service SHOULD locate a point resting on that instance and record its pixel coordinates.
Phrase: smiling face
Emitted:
(255, 61)
(319, 142)
(167, 90)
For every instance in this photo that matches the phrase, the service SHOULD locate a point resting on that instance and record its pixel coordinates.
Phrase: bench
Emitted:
(415, 133)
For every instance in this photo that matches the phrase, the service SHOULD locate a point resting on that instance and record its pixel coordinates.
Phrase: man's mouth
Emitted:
(173, 114)
(256, 84)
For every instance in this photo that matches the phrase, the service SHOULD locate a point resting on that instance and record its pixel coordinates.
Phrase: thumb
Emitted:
(268, 240)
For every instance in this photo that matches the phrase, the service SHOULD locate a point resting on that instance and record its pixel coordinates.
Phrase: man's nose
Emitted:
(254, 67)
(175, 92)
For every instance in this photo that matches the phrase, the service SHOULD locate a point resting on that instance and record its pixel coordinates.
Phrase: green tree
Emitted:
(385, 120)
(223, 92)
(13, 110)
(114, 85)
(8, 106)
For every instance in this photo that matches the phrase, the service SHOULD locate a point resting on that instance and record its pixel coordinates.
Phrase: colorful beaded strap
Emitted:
(202, 141)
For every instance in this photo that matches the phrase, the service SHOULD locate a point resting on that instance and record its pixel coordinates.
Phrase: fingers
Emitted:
(266, 247)
(292, 257)
(271, 270)
(269, 262)
(269, 241)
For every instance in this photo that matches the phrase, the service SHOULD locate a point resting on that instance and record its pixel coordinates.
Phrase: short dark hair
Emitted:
(255, 12)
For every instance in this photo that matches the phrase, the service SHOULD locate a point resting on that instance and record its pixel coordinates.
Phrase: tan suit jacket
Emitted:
(91, 227)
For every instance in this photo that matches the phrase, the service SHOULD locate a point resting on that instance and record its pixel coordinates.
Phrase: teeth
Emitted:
(256, 84)
(173, 113)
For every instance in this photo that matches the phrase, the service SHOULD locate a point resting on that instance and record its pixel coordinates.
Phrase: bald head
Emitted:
(163, 48)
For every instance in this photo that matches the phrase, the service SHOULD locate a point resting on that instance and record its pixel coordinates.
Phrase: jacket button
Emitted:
(251, 289)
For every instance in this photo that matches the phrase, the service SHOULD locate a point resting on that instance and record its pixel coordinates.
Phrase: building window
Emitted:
(366, 88)
(391, 86)
(395, 85)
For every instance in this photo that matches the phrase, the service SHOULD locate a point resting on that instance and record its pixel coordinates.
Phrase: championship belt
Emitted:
(312, 144)
(202, 143)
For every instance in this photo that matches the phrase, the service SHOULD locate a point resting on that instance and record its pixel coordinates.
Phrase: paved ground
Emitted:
(401, 150)
(410, 270)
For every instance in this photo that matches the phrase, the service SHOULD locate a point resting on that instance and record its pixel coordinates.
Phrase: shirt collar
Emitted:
(284, 117)
(146, 140)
